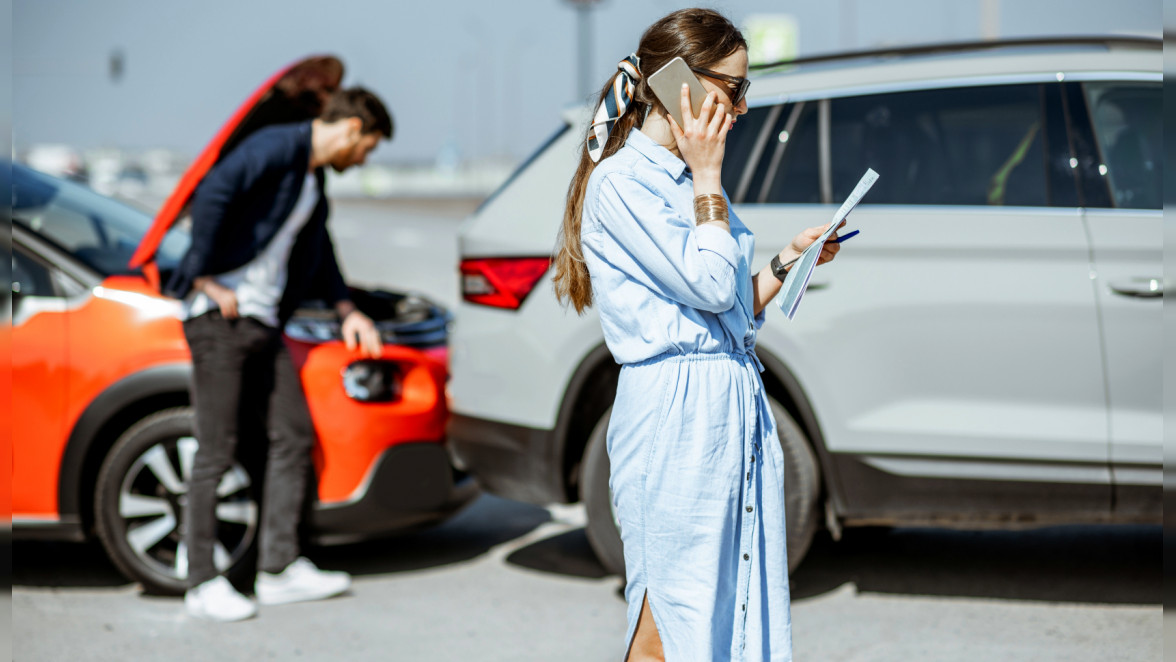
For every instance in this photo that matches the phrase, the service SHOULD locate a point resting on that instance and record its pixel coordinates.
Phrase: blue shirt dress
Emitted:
(697, 470)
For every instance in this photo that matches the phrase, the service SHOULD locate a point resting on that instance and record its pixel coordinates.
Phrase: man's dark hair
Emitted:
(358, 102)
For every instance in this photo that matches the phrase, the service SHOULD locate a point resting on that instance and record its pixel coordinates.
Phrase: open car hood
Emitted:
(293, 94)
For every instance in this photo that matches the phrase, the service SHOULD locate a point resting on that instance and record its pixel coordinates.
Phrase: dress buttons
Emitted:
(749, 509)
(746, 557)
(753, 458)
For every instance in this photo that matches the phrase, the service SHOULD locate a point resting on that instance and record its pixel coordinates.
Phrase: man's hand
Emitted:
(223, 297)
(359, 331)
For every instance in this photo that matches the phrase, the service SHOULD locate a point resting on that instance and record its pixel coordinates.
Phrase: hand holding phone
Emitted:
(666, 84)
(702, 142)
(698, 122)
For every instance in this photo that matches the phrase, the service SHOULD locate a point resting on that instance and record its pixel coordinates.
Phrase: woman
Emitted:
(696, 467)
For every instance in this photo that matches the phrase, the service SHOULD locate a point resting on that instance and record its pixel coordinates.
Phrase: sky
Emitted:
(487, 79)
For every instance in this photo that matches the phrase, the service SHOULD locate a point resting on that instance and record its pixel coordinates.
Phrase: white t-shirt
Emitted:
(260, 283)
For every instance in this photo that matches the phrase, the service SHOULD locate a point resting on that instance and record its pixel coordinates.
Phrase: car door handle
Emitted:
(1146, 288)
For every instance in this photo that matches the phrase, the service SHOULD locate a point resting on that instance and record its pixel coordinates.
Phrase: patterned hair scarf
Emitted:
(613, 105)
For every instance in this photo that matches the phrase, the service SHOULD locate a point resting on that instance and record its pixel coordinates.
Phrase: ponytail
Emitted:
(611, 124)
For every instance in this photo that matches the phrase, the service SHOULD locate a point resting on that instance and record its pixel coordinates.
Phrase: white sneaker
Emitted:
(217, 600)
(300, 581)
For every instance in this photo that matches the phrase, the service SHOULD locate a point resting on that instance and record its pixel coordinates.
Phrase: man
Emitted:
(259, 247)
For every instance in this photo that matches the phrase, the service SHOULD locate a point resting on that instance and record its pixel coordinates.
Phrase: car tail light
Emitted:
(501, 282)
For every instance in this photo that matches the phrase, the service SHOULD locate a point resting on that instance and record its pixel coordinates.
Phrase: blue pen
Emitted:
(835, 241)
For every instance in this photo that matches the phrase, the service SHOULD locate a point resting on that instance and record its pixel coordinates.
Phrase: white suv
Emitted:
(985, 353)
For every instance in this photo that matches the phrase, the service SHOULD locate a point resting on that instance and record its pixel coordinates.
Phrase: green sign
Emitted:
(771, 38)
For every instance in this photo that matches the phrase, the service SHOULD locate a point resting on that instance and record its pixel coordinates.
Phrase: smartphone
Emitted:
(666, 84)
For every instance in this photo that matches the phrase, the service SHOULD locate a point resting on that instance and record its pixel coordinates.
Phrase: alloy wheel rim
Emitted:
(151, 502)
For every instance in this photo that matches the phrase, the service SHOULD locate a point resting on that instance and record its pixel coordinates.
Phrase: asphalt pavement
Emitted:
(504, 581)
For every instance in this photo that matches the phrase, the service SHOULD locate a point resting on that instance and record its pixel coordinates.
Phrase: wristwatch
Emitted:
(778, 269)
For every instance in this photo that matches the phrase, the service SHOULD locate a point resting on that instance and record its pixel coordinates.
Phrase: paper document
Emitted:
(797, 280)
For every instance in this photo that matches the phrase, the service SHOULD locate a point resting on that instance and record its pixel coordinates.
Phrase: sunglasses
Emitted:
(738, 85)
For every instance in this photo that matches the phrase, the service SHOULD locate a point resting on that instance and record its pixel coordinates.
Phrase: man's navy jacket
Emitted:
(239, 207)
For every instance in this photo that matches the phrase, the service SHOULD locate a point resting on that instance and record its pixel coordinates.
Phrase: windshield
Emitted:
(100, 232)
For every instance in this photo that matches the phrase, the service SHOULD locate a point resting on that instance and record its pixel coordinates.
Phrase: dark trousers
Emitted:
(242, 372)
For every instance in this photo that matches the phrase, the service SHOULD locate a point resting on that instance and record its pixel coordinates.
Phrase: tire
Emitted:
(604, 533)
(802, 491)
(139, 498)
(802, 485)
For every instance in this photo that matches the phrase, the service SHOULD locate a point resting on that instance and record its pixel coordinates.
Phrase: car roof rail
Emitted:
(965, 46)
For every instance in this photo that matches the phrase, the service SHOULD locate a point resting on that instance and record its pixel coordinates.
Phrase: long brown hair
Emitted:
(701, 37)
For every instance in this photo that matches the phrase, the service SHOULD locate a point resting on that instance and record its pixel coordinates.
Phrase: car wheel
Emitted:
(140, 497)
(802, 490)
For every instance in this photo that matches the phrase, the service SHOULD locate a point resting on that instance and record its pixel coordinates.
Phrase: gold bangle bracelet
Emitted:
(709, 207)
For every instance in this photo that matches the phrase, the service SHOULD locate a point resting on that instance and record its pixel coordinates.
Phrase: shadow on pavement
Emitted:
(563, 554)
(1092, 564)
(487, 522)
(1082, 564)
(61, 564)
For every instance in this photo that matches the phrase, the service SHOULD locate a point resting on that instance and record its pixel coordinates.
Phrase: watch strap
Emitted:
(778, 269)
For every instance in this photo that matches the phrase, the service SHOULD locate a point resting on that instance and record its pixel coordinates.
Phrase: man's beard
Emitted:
(346, 159)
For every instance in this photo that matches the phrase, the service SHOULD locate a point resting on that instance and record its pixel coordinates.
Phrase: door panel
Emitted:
(1126, 167)
(39, 379)
(1128, 252)
(934, 334)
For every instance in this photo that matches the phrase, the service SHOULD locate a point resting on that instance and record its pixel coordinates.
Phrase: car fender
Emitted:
(782, 384)
(578, 415)
(90, 434)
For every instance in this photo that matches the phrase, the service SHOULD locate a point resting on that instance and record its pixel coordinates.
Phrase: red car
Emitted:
(101, 421)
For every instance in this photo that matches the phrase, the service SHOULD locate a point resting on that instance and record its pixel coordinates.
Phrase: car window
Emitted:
(745, 144)
(30, 277)
(1128, 128)
(961, 146)
(98, 231)
(1062, 173)
(788, 169)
